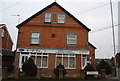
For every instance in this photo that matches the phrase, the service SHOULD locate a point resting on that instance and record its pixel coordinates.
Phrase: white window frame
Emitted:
(85, 57)
(37, 38)
(73, 39)
(48, 17)
(68, 56)
(2, 33)
(61, 18)
(31, 54)
(20, 59)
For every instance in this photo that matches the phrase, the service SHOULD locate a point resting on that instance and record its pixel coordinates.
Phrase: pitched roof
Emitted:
(92, 45)
(4, 26)
(54, 3)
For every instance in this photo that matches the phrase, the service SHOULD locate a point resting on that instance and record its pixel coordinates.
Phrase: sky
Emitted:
(95, 14)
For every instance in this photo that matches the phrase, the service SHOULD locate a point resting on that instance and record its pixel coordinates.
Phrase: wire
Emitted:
(104, 28)
(11, 6)
(91, 9)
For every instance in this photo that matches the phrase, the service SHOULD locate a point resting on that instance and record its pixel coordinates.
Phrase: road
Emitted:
(64, 80)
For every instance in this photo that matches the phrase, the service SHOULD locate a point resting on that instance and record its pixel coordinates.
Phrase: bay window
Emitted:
(68, 60)
(40, 59)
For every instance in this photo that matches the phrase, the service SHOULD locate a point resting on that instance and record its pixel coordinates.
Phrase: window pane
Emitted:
(2, 33)
(71, 36)
(22, 59)
(71, 62)
(47, 20)
(33, 58)
(71, 41)
(44, 61)
(59, 60)
(65, 62)
(35, 35)
(26, 58)
(34, 41)
(38, 61)
(71, 54)
(35, 38)
(45, 54)
(48, 17)
(65, 55)
(61, 18)
(83, 61)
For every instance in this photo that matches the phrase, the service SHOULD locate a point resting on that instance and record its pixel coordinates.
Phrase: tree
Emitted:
(104, 65)
(29, 67)
(56, 70)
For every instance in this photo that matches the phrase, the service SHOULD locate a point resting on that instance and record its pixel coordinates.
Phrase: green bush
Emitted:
(104, 65)
(89, 67)
(29, 67)
(56, 70)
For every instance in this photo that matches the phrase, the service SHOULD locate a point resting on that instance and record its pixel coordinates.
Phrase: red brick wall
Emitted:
(49, 28)
(92, 51)
(5, 42)
(52, 65)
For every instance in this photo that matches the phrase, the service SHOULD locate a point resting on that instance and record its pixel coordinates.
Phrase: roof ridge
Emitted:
(54, 3)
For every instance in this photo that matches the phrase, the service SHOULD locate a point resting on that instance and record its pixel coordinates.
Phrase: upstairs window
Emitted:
(72, 39)
(47, 17)
(61, 18)
(3, 33)
(35, 37)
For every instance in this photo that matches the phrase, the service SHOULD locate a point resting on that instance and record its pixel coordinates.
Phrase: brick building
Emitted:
(92, 53)
(53, 36)
(6, 44)
(118, 58)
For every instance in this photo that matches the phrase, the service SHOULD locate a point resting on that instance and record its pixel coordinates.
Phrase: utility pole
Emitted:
(113, 33)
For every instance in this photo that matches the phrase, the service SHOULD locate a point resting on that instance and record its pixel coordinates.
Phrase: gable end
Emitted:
(54, 3)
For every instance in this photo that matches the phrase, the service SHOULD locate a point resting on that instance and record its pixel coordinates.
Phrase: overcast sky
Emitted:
(95, 14)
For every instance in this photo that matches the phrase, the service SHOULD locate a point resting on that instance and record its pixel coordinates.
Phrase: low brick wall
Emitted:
(103, 74)
(4, 72)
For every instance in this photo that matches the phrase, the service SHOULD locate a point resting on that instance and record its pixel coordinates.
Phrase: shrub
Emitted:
(119, 65)
(89, 67)
(29, 67)
(56, 70)
(104, 65)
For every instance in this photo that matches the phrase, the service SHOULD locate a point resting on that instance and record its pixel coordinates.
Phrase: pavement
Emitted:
(65, 80)
(114, 79)
(0, 78)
